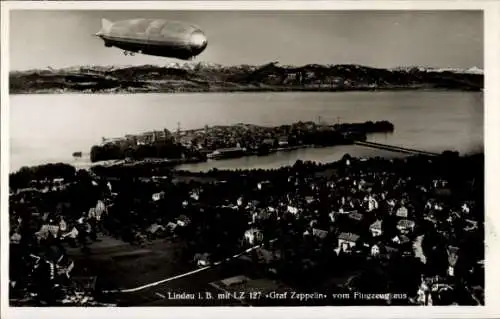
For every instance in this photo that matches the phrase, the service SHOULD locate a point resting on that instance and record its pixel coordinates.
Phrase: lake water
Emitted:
(49, 128)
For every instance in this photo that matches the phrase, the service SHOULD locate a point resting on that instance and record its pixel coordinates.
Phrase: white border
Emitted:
(492, 149)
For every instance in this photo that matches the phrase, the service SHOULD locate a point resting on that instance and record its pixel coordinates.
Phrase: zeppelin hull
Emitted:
(154, 37)
(173, 50)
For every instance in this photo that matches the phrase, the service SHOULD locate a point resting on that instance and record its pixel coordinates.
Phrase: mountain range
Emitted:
(204, 77)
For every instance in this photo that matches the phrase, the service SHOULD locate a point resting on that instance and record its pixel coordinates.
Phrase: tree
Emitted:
(389, 223)
(434, 248)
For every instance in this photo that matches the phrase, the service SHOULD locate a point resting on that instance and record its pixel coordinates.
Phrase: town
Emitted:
(410, 227)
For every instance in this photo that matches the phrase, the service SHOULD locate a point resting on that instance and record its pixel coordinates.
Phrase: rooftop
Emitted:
(376, 225)
(236, 280)
(356, 216)
(348, 236)
(406, 223)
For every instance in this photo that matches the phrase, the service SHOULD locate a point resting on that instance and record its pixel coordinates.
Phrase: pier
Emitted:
(394, 148)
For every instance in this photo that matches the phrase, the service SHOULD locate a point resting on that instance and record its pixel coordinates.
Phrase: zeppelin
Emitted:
(158, 37)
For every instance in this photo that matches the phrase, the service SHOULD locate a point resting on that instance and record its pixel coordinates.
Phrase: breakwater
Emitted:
(394, 148)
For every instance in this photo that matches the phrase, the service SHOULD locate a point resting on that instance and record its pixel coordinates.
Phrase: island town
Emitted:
(407, 230)
(220, 142)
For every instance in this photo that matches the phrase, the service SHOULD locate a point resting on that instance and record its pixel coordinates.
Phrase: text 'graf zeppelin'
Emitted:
(289, 295)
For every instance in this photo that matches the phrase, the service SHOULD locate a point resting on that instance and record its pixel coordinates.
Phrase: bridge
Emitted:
(394, 148)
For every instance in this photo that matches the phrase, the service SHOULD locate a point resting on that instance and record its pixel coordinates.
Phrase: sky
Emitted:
(57, 39)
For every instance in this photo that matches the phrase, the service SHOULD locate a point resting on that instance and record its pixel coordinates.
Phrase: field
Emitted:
(118, 265)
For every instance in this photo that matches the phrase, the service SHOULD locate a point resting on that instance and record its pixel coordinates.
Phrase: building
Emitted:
(309, 199)
(202, 260)
(158, 196)
(292, 210)
(388, 251)
(155, 229)
(355, 216)
(131, 138)
(424, 296)
(71, 235)
(263, 214)
(405, 226)
(452, 259)
(291, 76)
(63, 226)
(471, 225)
(183, 220)
(376, 228)
(371, 202)
(401, 240)
(375, 250)
(320, 233)
(332, 217)
(171, 226)
(46, 230)
(64, 266)
(268, 141)
(402, 212)
(310, 74)
(254, 236)
(236, 280)
(283, 141)
(432, 290)
(347, 241)
(112, 140)
(15, 238)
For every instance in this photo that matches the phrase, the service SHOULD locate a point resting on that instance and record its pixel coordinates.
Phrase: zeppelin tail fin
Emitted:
(105, 27)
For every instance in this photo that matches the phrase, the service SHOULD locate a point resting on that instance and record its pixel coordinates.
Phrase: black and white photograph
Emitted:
(244, 158)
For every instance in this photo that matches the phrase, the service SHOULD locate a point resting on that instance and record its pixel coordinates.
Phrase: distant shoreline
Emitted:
(249, 90)
(270, 77)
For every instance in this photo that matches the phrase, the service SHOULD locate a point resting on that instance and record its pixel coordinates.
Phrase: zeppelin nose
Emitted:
(198, 41)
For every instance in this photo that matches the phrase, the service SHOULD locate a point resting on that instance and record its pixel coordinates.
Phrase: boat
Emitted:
(223, 153)
(77, 154)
